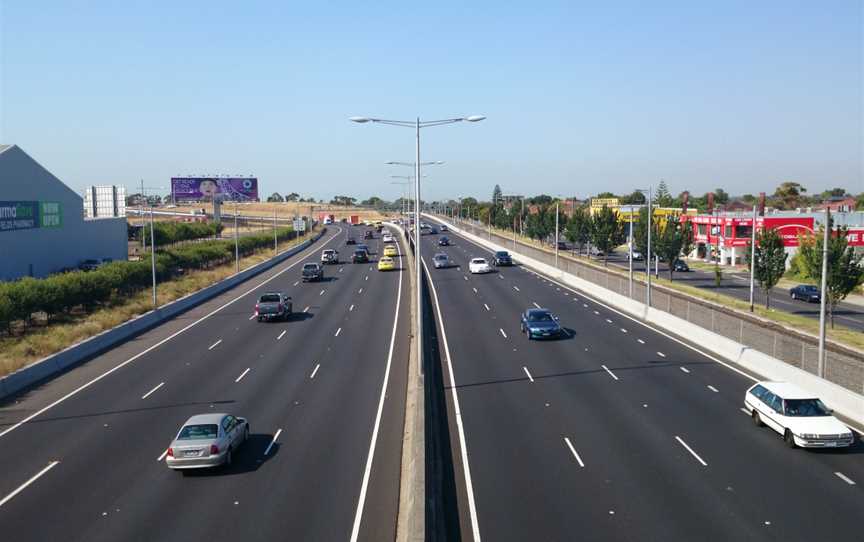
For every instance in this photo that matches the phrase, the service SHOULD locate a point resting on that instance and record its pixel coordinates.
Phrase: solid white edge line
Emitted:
(23, 486)
(284, 331)
(531, 378)
(463, 446)
(361, 501)
(151, 348)
(845, 478)
(239, 378)
(149, 393)
(214, 345)
(610, 372)
(689, 449)
(574, 452)
(272, 442)
(314, 371)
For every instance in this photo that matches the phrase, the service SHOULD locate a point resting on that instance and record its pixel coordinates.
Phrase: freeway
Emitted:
(617, 432)
(737, 285)
(324, 392)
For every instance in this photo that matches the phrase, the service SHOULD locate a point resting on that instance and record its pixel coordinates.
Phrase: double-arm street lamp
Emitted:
(416, 125)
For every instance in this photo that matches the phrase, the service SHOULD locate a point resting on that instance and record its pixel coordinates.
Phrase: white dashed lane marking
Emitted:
(214, 345)
(502, 332)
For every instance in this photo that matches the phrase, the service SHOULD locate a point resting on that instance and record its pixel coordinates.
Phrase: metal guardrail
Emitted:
(844, 367)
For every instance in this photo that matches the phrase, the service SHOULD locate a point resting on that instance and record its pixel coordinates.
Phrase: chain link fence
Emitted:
(842, 367)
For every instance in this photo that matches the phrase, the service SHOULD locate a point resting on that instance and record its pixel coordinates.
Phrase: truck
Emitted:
(273, 306)
(355, 219)
(312, 272)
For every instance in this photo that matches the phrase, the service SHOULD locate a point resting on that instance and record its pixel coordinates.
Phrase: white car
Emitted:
(479, 265)
(387, 238)
(801, 418)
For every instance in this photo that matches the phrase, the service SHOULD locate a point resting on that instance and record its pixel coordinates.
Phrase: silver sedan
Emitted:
(207, 440)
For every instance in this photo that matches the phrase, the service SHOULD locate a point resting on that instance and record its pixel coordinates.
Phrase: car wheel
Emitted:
(259, 318)
(246, 433)
(229, 458)
(757, 421)
(790, 440)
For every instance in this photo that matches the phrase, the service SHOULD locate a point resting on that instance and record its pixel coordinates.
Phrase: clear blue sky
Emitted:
(580, 96)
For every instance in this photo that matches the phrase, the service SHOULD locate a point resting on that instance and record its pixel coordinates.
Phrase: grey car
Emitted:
(207, 440)
(441, 261)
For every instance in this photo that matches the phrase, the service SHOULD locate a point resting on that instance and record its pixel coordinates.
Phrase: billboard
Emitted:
(223, 188)
(25, 215)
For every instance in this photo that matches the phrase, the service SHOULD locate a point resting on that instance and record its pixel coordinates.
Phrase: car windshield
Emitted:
(197, 432)
(440, 256)
(310, 266)
(805, 408)
(360, 252)
(810, 289)
(270, 298)
(539, 317)
(503, 254)
(478, 260)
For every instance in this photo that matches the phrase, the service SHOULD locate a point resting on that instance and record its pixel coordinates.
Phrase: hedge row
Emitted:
(61, 293)
(174, 232)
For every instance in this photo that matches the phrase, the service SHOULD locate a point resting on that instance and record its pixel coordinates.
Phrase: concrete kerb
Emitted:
(55, 364)
(847, 403)
(410, 523)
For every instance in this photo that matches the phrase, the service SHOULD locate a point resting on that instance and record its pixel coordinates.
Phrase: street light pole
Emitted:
(822, 296)
(556, 234)
(630, 250)
(648, 255)
(153, 257)
(752, 258)
(275, 239)
(236, 242)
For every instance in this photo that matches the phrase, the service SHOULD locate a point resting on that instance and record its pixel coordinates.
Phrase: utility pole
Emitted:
(556, 234)
(630, 250)
(275, 238)
(236, 242)
(752, 258)
(822, 296)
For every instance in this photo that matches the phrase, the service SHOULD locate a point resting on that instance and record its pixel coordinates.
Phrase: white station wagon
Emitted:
(801, 418)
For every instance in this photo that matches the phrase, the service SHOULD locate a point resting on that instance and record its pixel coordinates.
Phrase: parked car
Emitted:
(441, 261)
(540, 324)
(502, 258)
(800, 417)
(443, 241)
(479, 265)
(312, 272)
(207, 440)
(807, 292)
(360, 256)
(89, 265)
(680, 266)
(329, 256)
(350, 241)
(274, 305)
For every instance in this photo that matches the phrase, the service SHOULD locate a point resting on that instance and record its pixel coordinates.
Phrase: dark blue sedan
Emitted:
(540, 324)
(806, 292)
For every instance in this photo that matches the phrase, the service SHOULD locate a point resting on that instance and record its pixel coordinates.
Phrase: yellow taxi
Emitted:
(390, 250)
(386, 263)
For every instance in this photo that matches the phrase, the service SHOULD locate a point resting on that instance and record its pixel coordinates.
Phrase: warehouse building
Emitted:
(42, 224)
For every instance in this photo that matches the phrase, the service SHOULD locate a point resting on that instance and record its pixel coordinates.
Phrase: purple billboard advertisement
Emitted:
(223, 188)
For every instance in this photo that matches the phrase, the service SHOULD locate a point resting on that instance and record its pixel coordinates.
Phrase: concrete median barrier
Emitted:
(55, 364)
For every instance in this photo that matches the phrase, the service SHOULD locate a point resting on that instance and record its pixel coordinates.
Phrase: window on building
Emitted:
(743, 231)
(728, 231)
(702, 229)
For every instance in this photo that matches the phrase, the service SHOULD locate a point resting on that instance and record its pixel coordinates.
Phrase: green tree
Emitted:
(606, 231)
(770, 260)
(662, 198)
(636, 198)
(496, 195)
(293, 196)
(834, 193)
(672, 240)
(844, 266)
(275, 197)
(789, 194)
(859, 202)
(640, 233)
(374, 201)
(605, 195)
(578, 228)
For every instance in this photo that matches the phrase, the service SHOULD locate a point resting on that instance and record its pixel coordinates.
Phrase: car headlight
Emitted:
(809, 435)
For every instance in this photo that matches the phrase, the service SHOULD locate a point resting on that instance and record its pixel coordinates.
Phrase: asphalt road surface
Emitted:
(737, 284)
(618, 432)
(82, 455)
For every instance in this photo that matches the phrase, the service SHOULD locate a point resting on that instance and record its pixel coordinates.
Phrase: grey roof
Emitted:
(216, 417)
